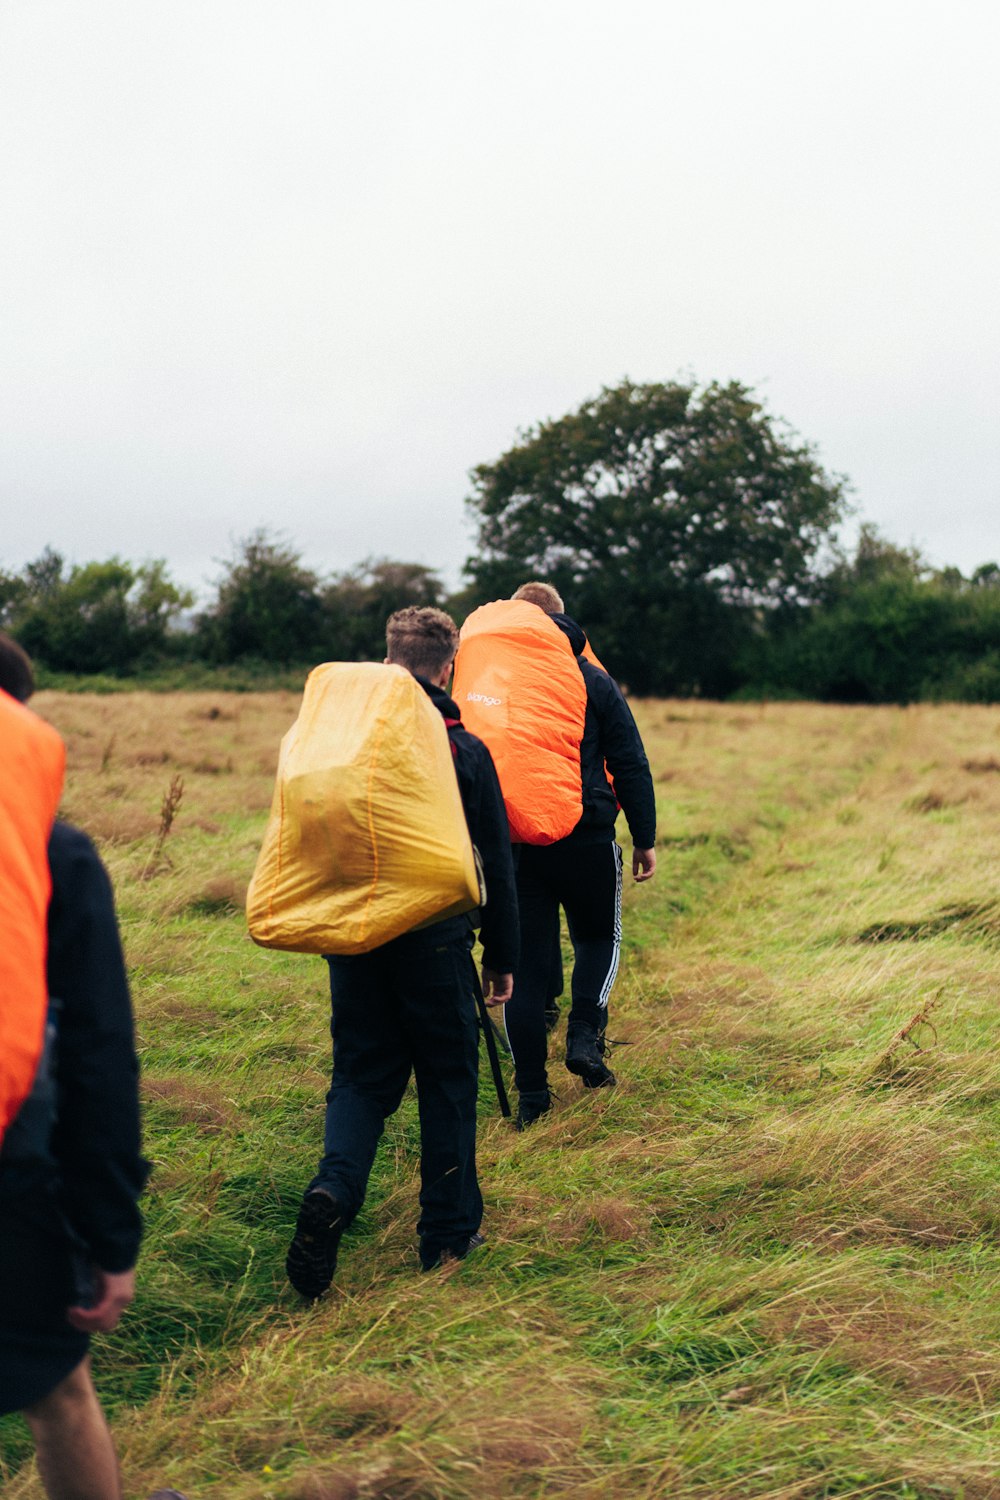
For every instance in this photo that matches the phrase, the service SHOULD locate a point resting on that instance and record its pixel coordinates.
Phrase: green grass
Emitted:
(765, 1266)
(248, 676)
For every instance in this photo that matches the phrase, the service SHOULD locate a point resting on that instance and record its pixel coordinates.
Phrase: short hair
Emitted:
(543, 594)
(421, 639)
(16, 675)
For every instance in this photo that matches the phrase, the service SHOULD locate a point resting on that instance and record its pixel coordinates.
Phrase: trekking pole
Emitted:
(491, 1042)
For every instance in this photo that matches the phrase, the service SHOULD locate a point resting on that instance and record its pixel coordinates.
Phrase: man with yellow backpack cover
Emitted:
(403, 988)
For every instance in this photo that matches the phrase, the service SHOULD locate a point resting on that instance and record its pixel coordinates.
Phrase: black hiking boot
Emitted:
(448, 1256)
(312, 1255)
(585, 1049)
(531, 1105)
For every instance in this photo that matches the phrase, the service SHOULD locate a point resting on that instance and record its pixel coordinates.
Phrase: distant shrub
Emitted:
(267, 606)
(887, 629)
(271, 608)
(100, 617)
(967, 682)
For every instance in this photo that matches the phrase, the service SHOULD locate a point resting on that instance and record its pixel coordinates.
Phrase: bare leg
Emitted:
(76, 1457)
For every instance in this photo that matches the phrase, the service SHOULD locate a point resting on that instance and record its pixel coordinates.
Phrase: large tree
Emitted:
(666, 513)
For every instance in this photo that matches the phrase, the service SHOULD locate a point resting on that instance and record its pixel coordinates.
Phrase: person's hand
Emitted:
(497, 988)
(113, 1291)
(643, 863)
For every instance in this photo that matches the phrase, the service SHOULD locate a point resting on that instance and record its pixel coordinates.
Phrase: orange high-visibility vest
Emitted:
(32, 760)
(519, 688)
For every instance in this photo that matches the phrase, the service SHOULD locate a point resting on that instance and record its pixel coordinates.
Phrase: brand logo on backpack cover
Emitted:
(483, 699)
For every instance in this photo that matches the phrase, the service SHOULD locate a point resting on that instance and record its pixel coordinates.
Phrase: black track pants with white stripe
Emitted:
(586, 880)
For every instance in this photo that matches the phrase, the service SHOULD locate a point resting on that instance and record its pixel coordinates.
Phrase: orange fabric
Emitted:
(518, 687)
(32, 759)
(591, 655)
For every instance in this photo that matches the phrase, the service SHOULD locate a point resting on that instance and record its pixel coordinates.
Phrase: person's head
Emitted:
(16, 676)
(423, 640)
(543, 594)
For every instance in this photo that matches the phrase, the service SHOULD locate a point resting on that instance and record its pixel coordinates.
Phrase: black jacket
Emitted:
(89, 1160)
(610, 737)
(486, 816)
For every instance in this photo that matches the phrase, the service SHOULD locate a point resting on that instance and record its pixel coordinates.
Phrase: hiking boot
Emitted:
(312, 1255)
(449, 1256)
(531, 1105)
(585, 1048)
(551, 1015)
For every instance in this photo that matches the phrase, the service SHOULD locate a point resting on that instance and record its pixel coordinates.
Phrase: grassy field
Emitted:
(765, 1265)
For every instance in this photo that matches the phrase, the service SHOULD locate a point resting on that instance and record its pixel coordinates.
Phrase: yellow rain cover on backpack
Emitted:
(367, 837)
(519, 688)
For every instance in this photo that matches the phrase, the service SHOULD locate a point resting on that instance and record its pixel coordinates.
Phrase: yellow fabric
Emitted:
(367, 837)
(519, 688)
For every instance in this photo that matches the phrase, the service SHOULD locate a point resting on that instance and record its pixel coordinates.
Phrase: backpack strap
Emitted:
(451, 724)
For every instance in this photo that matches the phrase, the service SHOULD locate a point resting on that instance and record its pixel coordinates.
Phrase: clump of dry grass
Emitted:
(981, 767)
(168, 812)
(969, 918)
(224, 895)
(183, 1102)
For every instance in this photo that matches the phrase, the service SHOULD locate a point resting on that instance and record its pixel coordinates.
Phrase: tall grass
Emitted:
(765, 1265)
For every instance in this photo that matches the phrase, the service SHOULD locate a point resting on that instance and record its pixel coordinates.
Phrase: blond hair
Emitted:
(543, 594)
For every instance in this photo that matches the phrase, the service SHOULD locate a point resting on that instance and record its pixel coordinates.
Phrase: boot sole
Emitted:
(312, 1255)
(594, 1075)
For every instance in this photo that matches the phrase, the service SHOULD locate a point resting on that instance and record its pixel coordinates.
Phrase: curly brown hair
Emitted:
(421, 639)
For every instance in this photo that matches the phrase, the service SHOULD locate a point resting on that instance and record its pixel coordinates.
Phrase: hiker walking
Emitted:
(562, 705)
(409, 1006)
(70, 1167)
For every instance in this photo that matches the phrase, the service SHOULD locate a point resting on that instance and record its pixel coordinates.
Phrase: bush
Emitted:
(99, 617)
(267, 606)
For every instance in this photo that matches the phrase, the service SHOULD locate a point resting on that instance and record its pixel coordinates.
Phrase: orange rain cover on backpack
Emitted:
(367, 836)
(32, 759)
(519, 688)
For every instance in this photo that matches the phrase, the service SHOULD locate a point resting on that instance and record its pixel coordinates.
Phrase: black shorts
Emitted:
(40, 1275)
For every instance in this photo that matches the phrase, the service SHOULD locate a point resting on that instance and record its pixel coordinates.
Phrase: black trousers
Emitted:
(586, 880)
(408, 1006)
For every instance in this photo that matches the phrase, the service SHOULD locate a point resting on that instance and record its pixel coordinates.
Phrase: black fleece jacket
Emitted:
(96, 1140)
(89, 1161)
(489, 830)
(610, 737)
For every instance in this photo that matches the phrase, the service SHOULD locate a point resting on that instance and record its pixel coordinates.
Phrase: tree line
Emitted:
(690, 531)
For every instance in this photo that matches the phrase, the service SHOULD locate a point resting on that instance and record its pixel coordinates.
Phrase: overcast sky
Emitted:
(301, 265)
